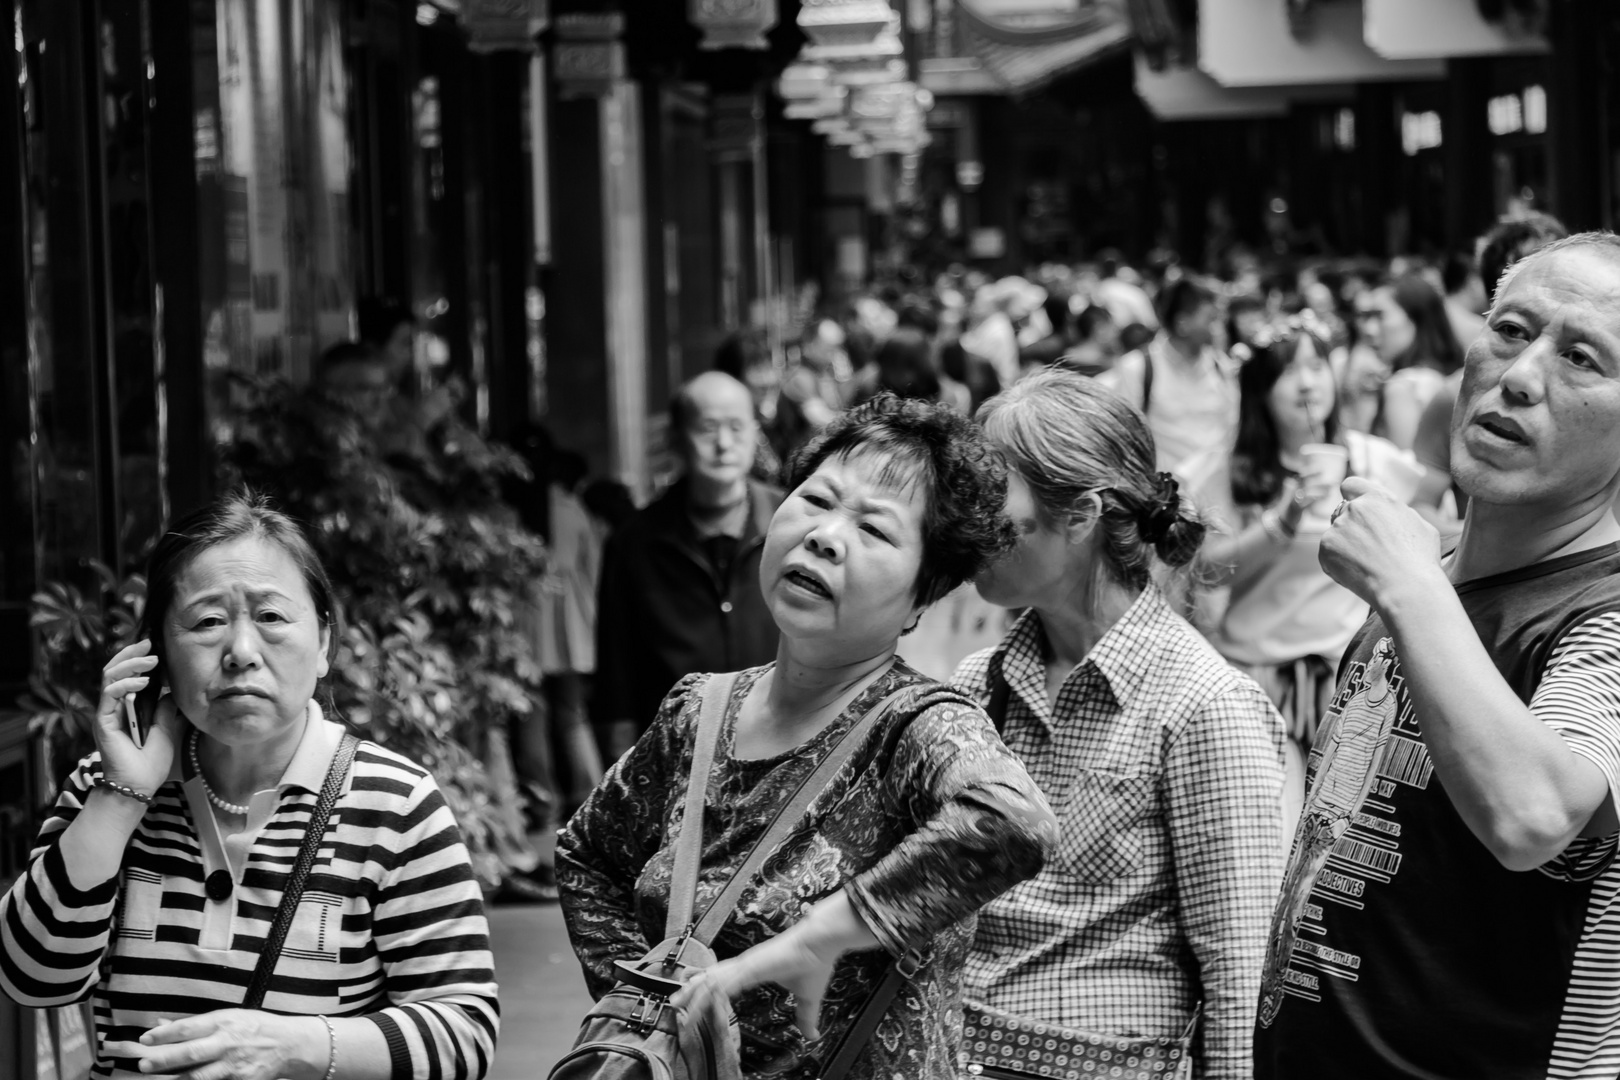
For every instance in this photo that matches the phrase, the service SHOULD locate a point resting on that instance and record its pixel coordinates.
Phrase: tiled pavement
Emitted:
(542, 993)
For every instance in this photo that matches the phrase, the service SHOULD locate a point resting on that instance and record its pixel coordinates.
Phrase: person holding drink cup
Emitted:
(243, 890)
(1285, 622)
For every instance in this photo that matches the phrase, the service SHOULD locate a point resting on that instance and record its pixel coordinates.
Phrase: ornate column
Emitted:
(604, 260)
(732, 24)
(504, 24)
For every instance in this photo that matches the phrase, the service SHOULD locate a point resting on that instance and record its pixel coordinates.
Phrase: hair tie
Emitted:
(1164, 511)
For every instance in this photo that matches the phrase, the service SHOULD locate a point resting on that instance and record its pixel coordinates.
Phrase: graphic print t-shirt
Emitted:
(1400, 946)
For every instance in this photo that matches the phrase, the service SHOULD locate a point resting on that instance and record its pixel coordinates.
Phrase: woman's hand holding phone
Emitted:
(127, 759)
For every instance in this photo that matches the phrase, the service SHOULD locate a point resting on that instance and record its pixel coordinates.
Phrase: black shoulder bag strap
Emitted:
(996, 707)
(336, 774)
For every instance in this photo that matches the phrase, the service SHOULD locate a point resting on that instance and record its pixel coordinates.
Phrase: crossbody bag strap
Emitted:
(865, 1025)
(689, 843)
(789, 816)
(336, 774)
(1000, 697)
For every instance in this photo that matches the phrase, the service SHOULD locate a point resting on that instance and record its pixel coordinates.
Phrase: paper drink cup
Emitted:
(1329, 461)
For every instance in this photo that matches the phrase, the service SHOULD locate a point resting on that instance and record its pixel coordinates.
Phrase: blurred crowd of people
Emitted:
(1259, 437)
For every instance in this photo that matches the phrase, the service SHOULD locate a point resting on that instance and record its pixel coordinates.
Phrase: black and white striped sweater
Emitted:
(391, 926)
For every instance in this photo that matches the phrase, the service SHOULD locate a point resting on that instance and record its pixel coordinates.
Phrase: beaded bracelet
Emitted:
(331, 1049)
(126, 792)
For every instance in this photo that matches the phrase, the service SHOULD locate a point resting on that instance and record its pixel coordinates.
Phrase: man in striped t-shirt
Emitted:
(1449, 909)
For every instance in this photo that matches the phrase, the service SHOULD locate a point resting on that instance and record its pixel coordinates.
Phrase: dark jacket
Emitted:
(662, 613)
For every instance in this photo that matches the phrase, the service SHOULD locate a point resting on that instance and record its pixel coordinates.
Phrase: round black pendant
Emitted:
(218, 885)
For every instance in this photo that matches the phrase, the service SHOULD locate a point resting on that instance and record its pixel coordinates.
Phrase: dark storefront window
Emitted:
(67, 348)
(273, 168)
(446, 238)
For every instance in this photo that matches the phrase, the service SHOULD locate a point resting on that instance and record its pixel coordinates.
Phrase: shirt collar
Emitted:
(1123, 654)
(310, 762)
(313, 758)
(761, 508)
(1120, 657)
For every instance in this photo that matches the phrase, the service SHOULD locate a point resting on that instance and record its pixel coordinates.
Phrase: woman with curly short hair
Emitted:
(895, 504)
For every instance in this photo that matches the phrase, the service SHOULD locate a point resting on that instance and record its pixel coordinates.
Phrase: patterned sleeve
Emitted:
(1223, 781)
(1579, 697)
(982, 826)
(443, 1016)
(52, 933)
(972, 675)
(605, 846)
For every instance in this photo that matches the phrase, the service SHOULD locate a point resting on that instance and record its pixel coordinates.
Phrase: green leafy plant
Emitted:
(78, 630)
(433, 569)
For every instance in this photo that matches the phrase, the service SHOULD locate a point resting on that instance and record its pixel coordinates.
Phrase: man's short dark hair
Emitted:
(1090, 318)
(918, 314)
(962, 476)
(344, 352)
(1511, 239)
(379, 315)
(1183, 297)
(740, 351)
(1455, 272)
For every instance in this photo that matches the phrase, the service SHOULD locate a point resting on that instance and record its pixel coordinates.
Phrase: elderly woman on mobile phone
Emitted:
(157, 878)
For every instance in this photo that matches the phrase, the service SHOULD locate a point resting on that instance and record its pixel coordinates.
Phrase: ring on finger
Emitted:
(1337, 510)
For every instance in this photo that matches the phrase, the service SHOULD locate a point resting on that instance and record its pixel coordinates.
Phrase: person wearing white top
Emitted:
(1181, 382)
(1286, 622)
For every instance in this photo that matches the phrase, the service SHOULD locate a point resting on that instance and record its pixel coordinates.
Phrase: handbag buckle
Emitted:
(909, 964)
(649, 1010)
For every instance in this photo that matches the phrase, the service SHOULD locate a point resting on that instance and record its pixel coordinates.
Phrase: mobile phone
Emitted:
(141, 708)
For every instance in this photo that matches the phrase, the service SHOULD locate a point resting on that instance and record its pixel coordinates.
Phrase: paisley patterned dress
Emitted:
(929, 819)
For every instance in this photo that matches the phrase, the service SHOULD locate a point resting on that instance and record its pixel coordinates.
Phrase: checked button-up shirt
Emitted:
(1163, 766)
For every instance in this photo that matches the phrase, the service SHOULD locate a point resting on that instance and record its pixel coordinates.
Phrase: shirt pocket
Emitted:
(139, 904)
(1103, 825)
(316, 934)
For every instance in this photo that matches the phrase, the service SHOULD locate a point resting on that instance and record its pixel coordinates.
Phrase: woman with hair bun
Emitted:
(1162, 763)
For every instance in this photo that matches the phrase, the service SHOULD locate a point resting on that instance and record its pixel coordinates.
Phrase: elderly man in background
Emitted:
(679, 591)
(1448, 910)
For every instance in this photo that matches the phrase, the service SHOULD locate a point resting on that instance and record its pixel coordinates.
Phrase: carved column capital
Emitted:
(732, 24)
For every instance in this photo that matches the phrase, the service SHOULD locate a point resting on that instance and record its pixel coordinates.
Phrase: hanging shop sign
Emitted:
(844, 22)
(732, 24)
(504, 25)
(1185, 93)
(587, 58)
(1252, 43)
(1402, 30)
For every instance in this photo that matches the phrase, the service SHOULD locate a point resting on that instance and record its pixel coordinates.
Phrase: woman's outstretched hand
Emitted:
(143, 768)
(800, 960)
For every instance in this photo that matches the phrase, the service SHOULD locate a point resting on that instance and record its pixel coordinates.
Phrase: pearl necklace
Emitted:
(196, 767)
